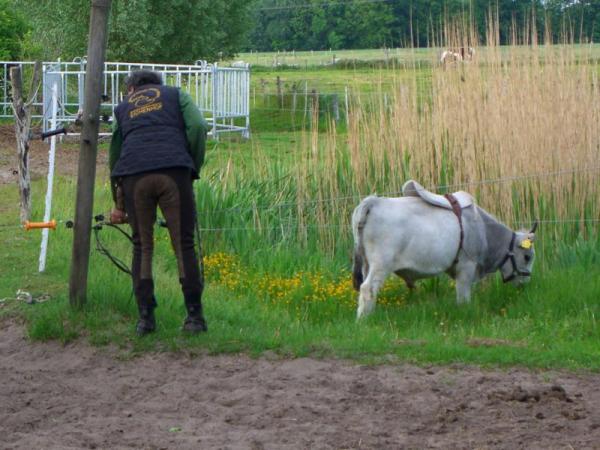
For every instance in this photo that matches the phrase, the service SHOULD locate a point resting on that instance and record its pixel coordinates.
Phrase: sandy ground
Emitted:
(77, 396)
(66, 157)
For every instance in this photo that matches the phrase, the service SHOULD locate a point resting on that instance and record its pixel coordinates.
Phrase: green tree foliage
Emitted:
(13, 29)
(186, 30)
(177, 30)
(323, 24)
(174, 31)
(579, 19)
(312, 24)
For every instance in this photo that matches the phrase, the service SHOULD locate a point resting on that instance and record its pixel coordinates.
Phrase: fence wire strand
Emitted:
(332, 200)
(270, 207)
(297, 224)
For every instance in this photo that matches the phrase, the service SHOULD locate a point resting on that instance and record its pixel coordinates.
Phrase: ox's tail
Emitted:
(359, 219)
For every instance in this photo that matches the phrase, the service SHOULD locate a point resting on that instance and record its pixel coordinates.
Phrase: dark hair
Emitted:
(141, 77)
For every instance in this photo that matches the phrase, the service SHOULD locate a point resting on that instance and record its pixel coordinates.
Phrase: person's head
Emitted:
(140, 78)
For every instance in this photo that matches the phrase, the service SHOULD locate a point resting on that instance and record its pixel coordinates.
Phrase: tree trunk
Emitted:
(86, 175)
(22, 113)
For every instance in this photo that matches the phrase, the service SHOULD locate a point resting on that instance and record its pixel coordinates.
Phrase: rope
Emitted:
(101, 248)
(24, 296)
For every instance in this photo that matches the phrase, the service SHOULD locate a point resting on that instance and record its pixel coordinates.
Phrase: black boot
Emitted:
(144, 293)
(194, 322)
(146, 323)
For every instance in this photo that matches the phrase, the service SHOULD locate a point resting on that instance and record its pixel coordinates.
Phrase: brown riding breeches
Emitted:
(170, 190)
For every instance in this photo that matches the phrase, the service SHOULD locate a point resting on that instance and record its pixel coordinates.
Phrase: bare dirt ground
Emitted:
(77, 396)
(66, 157)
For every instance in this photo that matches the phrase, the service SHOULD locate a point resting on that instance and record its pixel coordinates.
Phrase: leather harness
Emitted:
(510, 255)
(458, 212)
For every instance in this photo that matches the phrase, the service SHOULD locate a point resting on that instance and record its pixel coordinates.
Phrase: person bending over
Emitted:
(156, 152)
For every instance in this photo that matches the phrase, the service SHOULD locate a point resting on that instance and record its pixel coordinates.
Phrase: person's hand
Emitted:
(118, 216)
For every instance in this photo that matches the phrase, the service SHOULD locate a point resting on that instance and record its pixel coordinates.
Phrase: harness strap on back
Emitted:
(458, 212)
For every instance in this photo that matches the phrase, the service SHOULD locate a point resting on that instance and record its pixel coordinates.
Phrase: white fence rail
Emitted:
(221, 93)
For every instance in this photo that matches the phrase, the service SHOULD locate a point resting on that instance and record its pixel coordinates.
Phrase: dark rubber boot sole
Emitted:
(194, 325)
(144, 327)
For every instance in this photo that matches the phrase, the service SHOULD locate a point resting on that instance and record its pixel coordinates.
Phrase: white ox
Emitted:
(421, 235)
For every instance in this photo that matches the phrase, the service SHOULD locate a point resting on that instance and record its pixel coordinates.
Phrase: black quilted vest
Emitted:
(153, 131)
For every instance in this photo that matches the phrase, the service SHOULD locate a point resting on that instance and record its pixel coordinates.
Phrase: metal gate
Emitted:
(221, 93)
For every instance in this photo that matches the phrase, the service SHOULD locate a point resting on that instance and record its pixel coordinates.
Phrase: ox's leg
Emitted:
(369, 290)
(410, 283)
(465, 277)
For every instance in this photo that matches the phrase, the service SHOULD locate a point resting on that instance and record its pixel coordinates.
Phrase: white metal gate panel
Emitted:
(221, 93)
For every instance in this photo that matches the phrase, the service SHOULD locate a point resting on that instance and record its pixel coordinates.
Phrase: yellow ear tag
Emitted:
(526, 244)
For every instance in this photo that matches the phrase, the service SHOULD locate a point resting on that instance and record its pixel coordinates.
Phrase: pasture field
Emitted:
(302, 60)
(519, 129)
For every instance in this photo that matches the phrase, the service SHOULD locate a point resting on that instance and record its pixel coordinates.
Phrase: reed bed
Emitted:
(521, 132)
(518, 127)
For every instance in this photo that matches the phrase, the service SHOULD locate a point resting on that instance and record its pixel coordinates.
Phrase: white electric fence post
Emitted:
(51, 153)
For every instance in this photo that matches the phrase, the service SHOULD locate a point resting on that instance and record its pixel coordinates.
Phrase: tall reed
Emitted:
(518, 127)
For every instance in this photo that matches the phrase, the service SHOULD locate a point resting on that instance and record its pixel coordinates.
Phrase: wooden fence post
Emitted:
(336, 107)
(347, 107)
(279, 92)
(263, 86)
(305, 99)
(84, 202)
(314, 108)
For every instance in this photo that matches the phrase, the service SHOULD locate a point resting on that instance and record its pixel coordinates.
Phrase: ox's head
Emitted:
(519, 260)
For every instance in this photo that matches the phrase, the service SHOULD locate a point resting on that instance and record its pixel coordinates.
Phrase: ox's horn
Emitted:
(534, 227)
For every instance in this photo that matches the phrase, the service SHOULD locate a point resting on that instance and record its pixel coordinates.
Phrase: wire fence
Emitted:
(333, 200)
(338, 226)
(442, 187)
(297, 224)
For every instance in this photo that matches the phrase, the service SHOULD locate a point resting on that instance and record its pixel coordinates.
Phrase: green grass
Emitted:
(539, 327)
(307, 59)
(288, 108)
(274, 285)
(550, 323)
(380, 57)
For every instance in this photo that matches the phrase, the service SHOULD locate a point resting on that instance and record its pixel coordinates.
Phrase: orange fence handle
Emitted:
(32, 225)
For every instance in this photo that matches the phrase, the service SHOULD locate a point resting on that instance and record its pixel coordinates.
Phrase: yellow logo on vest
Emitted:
(145, 101)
